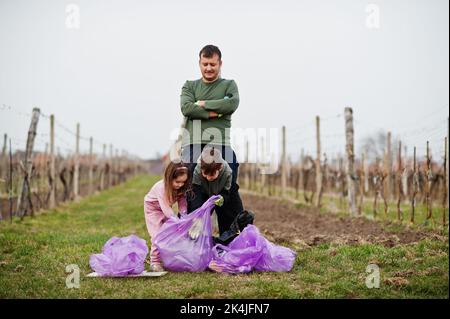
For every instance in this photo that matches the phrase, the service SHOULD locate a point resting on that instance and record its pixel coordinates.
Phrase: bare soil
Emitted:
(280, 221)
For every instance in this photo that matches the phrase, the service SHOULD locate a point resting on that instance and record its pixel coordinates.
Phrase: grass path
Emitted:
(34, 255)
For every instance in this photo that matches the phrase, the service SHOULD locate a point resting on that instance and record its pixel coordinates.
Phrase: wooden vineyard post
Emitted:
(351, 176)
(429, 177)
(24, 203)
(324, 177)
(388, 169)
(318, 164)
(387, 173)
(52, 179)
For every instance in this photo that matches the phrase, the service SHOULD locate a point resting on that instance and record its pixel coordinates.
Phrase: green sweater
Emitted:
(213, 94)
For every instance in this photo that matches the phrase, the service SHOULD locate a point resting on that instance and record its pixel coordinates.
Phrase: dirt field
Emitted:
(280, 221)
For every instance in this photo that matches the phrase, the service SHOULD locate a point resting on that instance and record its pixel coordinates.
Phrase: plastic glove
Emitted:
(195, 230)
(219, 201)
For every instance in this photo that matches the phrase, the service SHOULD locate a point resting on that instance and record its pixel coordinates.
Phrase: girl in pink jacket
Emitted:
(159, 201)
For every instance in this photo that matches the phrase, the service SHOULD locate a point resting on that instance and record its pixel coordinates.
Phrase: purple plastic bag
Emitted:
(251, 251)
(120, 256)
(177, 250)
(275, 258)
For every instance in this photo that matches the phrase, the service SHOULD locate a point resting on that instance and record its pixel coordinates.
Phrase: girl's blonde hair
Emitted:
(174, 170)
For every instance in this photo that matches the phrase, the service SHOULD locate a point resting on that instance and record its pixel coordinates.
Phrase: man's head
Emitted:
(210, 62)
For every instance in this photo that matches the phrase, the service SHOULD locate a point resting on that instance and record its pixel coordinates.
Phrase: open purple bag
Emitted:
(120, 256)
(251, 251)
(178, 251)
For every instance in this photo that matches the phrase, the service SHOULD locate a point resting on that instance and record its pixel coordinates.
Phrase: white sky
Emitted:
(120, 74)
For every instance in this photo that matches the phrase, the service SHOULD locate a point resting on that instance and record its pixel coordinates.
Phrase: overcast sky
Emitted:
(120, 71)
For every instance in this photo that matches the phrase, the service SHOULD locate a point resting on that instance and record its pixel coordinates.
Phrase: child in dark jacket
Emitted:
(213, 176)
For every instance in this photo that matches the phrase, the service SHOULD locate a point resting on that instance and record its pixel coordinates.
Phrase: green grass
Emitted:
(34, 254)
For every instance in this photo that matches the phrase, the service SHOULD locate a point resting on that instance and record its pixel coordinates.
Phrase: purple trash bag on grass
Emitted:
(177, 250)
(251, 251)
(120, 256)
(274, 257)
(241, 255)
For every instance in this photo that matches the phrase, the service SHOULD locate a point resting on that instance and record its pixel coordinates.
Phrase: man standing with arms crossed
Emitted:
(207, 105)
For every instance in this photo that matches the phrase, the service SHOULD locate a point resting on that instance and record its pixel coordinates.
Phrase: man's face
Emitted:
(210, 67)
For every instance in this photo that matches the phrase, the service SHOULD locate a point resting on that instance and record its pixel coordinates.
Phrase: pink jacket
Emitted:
(157, 209)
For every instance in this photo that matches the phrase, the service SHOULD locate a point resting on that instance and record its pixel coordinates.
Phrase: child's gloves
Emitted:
(219, 201)
(195, 230)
